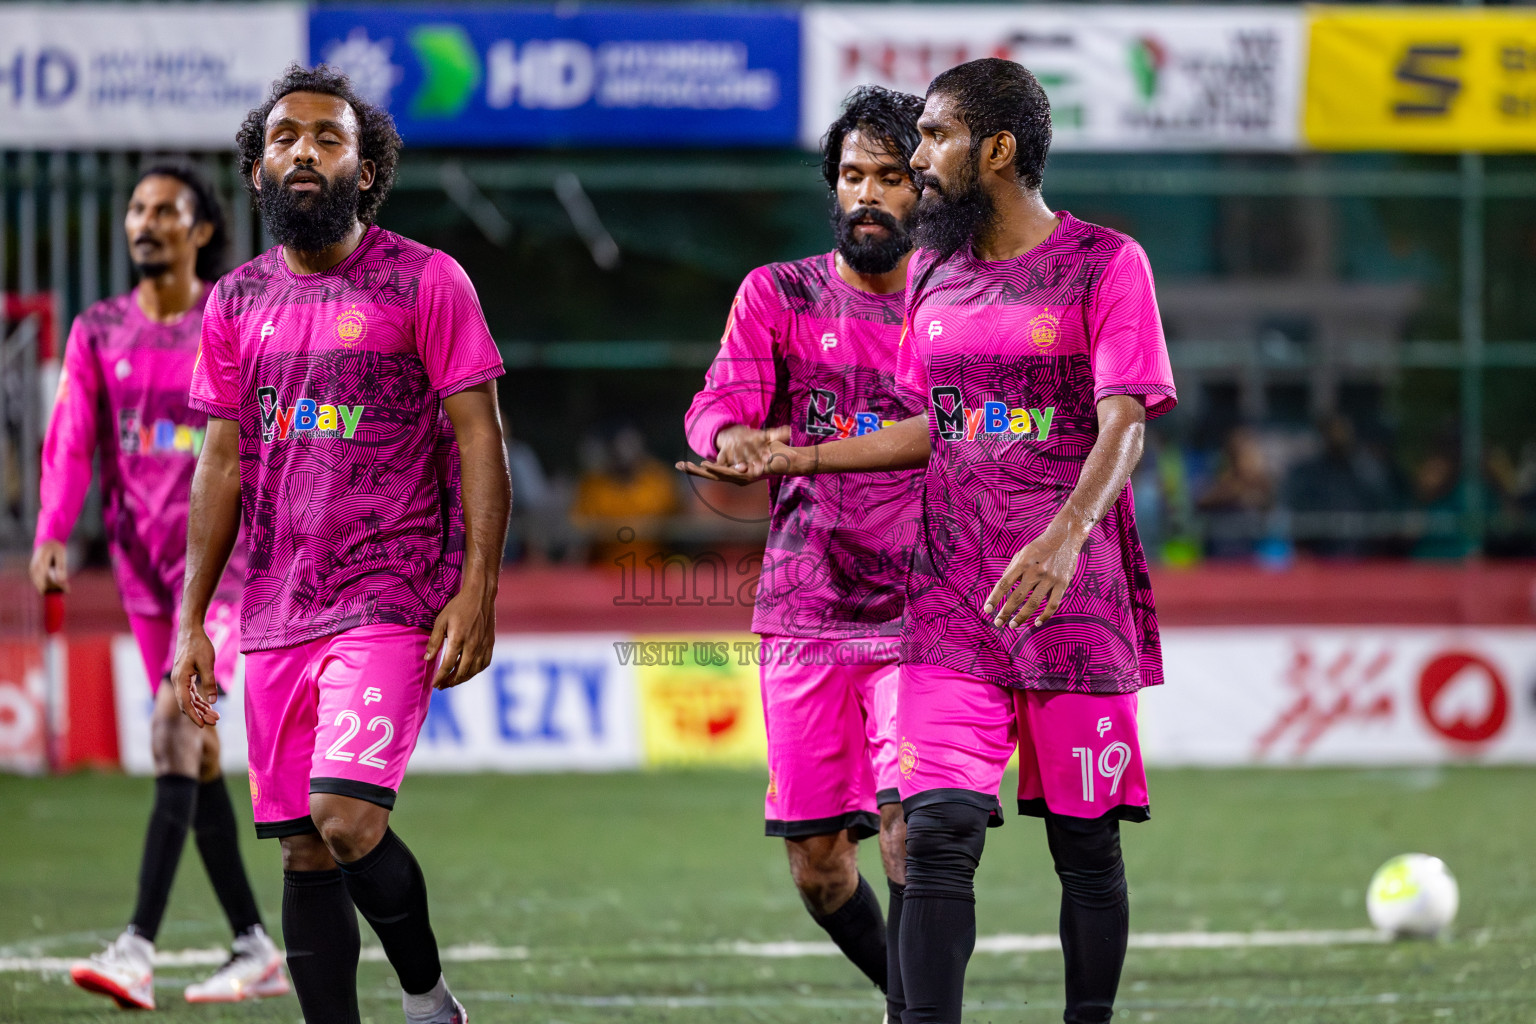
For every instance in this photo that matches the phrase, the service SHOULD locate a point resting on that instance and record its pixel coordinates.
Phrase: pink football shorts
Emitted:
(335, 715)
(156, 638)
(830, 709)
(1079, 754)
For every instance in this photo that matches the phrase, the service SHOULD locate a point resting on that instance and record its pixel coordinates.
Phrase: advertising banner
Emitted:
(558, 703)
(1119, 78)
(482, 75)
(547, 703)
(1290, 696)
(1422, 78)
(139, 75)
(700, 700)
(136, 701)
(23, 715)
(1341, 696)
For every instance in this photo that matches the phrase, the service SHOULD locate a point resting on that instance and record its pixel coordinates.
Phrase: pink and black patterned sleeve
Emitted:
(740, 384)
(452, 338)
(71, 440)
(1126, 344)
(215, 387)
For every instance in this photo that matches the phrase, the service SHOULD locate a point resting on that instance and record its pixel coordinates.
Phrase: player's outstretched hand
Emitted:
(49, 570)
(192, 678)
(465, 632)
(1043, 571)
(773, 458)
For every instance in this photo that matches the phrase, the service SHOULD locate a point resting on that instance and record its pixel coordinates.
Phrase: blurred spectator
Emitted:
(1239, 497)
(623, 497)
(1332, 493)
(540, 528)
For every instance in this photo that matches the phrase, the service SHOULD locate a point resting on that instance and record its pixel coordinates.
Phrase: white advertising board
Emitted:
(1119, 78)
(1304, 695)
(546, 703)
(135, 702)
(1314, 695)
(140, 75)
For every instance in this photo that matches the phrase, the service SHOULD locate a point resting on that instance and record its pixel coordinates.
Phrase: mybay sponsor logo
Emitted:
(305, 418)
(956, 421)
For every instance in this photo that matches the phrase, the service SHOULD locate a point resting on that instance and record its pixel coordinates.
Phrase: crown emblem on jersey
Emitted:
(350, 326)
(1044, 329)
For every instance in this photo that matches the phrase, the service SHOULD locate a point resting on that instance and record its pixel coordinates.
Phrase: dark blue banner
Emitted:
(485, 75)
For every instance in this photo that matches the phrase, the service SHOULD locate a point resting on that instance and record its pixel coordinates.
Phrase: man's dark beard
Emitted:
(950, 219)
(150, 270)
(877, 254)
(309, 221)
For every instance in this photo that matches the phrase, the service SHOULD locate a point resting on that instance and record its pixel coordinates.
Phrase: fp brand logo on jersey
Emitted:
(267, 330)
(828, 340)
(934, 329)
(306, 417)
(957, 422)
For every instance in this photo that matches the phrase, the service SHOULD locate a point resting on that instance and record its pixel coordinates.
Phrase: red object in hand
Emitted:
(53, 612)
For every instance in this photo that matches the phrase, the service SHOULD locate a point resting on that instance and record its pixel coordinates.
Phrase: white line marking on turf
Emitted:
(482, 952)
(1139, 940)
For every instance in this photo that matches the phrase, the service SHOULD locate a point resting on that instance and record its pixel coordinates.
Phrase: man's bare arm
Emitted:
(465, 630)
(902, 445)
(1044, 569)
(212, 526)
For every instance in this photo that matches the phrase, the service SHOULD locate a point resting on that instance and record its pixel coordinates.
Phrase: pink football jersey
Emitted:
(804, 348)
(1010, 359)
(123, 396)
(349, 474)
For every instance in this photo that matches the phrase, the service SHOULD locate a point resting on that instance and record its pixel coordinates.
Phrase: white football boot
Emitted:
(253, 971)
(124, 971)
(450, 1010)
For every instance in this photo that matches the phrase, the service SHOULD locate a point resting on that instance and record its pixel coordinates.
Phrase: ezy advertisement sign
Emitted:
(630, 76)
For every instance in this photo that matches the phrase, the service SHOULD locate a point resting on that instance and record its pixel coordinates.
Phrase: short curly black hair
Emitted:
(995, 95)
(211, 257)
(888, 115)
(379, 140)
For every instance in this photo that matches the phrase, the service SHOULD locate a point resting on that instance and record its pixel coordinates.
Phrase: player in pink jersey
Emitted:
(809, 355)
(123, 395)
(1034, 341)
(350, 381)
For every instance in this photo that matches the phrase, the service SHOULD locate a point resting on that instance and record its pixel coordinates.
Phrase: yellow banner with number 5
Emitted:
(1419, 78)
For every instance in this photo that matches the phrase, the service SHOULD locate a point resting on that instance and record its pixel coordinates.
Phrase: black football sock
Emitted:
(1095, 913)
(169, 819)
(218, 842)
(938, 913)
(320, 931)
(388, 888)
(895, 1003)
(859, 931)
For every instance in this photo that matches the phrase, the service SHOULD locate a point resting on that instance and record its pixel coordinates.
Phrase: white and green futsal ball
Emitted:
(1413, 895)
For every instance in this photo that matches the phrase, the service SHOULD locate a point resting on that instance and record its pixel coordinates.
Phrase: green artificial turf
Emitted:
(626, 891)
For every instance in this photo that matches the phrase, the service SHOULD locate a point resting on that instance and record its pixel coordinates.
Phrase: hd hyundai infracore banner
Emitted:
(460, 74)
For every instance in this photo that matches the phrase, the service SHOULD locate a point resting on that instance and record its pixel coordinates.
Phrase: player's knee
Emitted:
(208, 767)
(1088, 860)
(893, 843)
(825, 870)
(174, 741)
(944, 843)
(306, 853)
(349, 828)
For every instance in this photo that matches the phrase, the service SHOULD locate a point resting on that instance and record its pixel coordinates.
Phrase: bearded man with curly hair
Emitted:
(350, 383)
